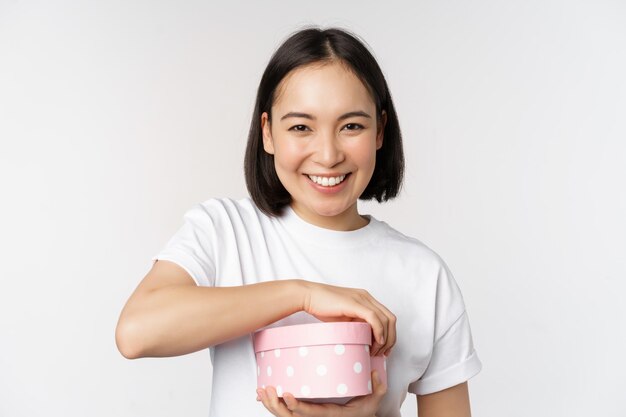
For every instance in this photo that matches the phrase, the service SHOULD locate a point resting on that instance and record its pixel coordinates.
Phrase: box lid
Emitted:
(353, 332)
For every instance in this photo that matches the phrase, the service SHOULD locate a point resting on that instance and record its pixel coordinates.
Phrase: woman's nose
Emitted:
(328, 150)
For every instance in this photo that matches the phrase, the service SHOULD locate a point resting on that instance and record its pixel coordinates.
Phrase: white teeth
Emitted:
(326, 181)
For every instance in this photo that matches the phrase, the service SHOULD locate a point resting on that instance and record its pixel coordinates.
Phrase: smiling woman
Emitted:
(310, 61)
(326, 167)
(324, 135)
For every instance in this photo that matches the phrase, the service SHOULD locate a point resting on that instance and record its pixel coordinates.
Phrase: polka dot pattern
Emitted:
(324, 371)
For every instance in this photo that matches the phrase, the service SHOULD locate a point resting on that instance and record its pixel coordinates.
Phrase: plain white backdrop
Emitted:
(117, 116)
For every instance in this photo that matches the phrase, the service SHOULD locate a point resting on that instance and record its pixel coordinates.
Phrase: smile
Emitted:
(327, 181)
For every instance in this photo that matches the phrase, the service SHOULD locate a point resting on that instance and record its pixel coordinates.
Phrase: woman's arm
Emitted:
(451, 402)
(168, 315)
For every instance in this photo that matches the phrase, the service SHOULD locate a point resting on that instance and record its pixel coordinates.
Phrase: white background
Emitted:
(117, 116)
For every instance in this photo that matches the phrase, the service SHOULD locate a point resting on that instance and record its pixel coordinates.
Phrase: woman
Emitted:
(324, 134)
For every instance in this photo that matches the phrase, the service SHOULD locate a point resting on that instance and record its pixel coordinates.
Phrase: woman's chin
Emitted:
(330, 211)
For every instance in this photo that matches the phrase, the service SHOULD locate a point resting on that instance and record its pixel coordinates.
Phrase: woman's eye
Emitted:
(356, 126)
(297, 128)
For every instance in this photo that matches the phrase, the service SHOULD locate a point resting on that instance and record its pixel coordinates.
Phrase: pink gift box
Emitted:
(319, 362)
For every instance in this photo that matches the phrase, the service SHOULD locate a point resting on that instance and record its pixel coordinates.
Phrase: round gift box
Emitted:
(325, 361)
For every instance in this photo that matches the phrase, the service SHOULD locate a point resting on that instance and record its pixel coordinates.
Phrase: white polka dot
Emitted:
(367, 348)
(279, 390)
(262, 354)
(340, 349)
(303, 351)
(290, 371)
(269, 371)
(263, 386)
(258, 370)
(342, 389)
(305, 390)
(321, 370)
(358, 367)
(369, 386)
(277, 353)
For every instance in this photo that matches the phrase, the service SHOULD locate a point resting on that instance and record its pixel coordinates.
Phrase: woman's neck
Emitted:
(347, 221)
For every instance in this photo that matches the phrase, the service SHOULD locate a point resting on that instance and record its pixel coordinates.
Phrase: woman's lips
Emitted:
(331, 189)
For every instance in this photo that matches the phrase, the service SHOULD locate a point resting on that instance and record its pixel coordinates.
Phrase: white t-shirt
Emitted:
(225, 242)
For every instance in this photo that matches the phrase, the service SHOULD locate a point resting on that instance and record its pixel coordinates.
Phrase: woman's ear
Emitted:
(381, 130)
(268, 141)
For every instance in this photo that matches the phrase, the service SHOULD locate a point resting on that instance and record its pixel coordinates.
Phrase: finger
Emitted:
(276, 402)
(392, 335)
(359, 311)
(369, 403)
(367, 312)
(390, 339)
(302, 408)
(379, 389)
(387, 319)
(290, 401)
(295, 406)
(375, 317)
(272, 403)
(380, 327)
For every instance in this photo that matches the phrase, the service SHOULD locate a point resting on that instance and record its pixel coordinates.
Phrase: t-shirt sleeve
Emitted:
(454, 359)
(192, 246)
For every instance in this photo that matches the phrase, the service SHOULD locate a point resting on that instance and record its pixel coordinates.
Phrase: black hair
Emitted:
(313, 45)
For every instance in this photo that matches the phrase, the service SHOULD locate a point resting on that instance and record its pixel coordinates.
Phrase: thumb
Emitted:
(379, 388)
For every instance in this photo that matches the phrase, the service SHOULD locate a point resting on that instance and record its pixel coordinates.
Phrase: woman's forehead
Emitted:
(327, 88)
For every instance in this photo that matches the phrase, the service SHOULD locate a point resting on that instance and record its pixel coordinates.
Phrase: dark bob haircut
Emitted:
(312, 45)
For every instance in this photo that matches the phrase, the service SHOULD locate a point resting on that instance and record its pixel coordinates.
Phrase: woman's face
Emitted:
(324, 131)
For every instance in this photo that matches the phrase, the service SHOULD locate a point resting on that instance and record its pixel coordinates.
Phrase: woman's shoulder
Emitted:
(406, 246)
(225, 210)
(226, 204)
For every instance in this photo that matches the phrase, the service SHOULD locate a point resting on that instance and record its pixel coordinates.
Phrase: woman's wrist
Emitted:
(301, 291)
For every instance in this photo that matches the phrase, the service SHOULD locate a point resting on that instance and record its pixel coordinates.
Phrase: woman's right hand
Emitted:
(332, 303)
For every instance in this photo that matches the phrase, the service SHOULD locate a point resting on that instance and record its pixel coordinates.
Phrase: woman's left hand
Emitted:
(288, 406)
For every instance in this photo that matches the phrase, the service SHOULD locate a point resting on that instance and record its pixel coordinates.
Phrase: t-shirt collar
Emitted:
(303, 230)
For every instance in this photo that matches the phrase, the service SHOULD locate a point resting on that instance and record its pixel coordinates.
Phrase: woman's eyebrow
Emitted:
(342, 117)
